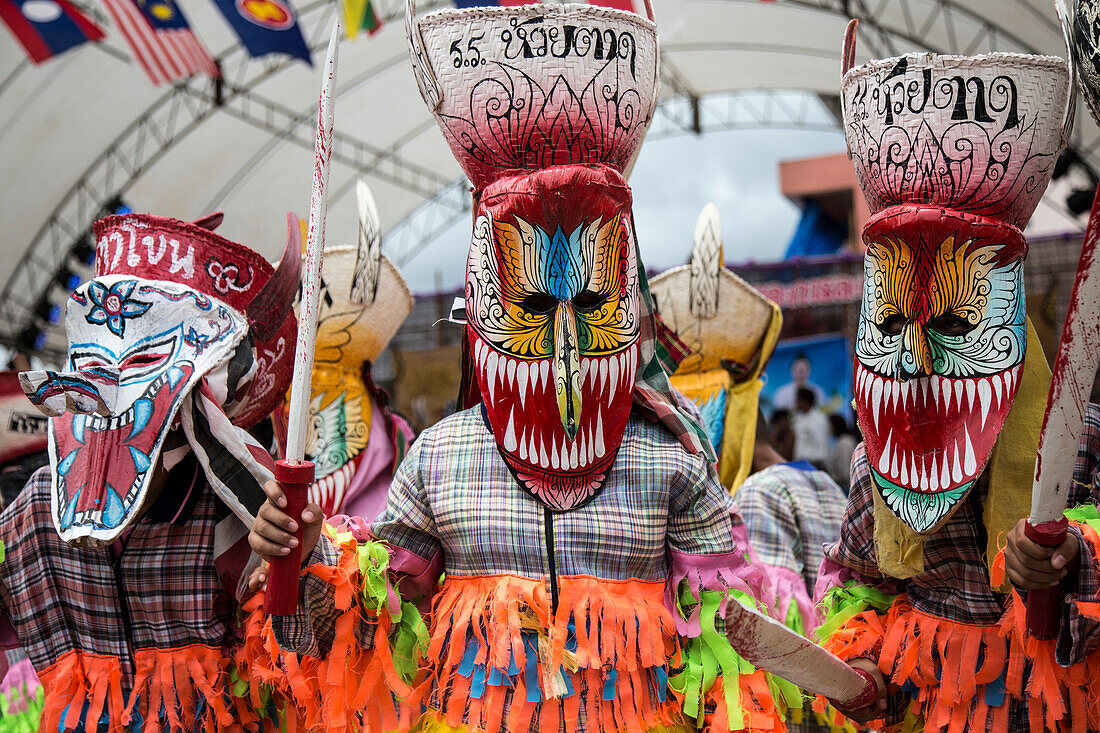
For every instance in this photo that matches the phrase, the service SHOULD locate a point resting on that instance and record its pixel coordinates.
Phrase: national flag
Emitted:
(162, 42)
(266, 26)
(46, 28)
(359, 15)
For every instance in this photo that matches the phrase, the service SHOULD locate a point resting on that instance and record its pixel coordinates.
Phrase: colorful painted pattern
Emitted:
(939, 351)
(553, 306)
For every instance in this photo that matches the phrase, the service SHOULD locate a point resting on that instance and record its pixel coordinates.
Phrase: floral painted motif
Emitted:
(113, 305)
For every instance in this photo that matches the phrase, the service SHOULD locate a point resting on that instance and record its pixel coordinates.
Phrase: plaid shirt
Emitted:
(160, 591)
(791, 511)
(791, 514)
(454, 493)
(453, 496)
(955, 582)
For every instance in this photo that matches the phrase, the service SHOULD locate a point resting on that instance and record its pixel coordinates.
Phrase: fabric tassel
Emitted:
(359, 677)
(951, 664)
(21, 709)
(168, 685)
(496, 645)
(714, 675)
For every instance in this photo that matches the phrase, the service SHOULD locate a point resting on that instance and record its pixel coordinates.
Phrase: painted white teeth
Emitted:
(945, 394)
(544, 373)
(970, 464)
(956, 469)
(522, 447)
(613, 367)
(1009, 376)
(906, 390)
(533, 451)
(573, 462)
(884, 459)
(600, 449)
(958, 394)
(876, 400)
(984, 393)
(971, 388)
(544, 460)
(603, 376)
(491, 373)
(521, 380)
(904, 471)
(997, 382)
(945, 473)
(933, 474)
(510, 443)
(555, 457)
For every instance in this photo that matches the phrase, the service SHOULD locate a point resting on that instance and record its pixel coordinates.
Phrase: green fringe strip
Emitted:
(842, 602)
(25, 721)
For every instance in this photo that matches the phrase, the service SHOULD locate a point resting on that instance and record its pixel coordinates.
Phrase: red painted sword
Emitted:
(1074, 372)
(773, 647)
(294, 473)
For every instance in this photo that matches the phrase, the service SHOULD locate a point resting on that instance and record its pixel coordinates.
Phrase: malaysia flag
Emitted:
(162, 41)
(46, 28)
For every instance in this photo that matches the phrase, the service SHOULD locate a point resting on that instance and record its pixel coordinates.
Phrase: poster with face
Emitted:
(822, 364)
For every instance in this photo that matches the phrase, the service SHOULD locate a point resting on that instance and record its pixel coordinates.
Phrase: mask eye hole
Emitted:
(539, 303)
(950, 325)
(588, 301)
(893, 325)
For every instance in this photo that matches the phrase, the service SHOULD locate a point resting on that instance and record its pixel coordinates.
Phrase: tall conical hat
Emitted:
(719, 316)
(363, 301)
(537, 85)
(975, 134)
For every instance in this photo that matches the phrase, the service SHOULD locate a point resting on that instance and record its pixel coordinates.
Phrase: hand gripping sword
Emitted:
(294, 473)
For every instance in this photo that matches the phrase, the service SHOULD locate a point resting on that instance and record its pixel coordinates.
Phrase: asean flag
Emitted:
(46, 28)
(265, 26)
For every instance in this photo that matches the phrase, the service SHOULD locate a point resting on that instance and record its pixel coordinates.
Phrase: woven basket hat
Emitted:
(350, 331)
(1082, 26)
(719, 316)
(976, 134)
(536, 85)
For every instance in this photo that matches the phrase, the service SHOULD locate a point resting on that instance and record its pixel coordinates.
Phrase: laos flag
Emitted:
(265, 26)
(46, 28)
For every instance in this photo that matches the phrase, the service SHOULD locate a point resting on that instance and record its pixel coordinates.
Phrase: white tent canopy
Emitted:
(88, 127)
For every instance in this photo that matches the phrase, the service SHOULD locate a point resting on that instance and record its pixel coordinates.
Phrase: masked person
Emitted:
(576, 514)
(353, 439)
(953, 154)
(730, 331)
(121, 579)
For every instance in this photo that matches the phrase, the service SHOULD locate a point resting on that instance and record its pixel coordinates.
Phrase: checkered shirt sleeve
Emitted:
(698, 520)
(1079, 635)
(408, 521)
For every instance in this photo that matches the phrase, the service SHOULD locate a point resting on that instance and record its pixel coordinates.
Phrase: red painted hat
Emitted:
(166, 249)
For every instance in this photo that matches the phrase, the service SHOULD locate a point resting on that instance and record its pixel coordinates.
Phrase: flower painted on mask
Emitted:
(229, 276)
(113, 305)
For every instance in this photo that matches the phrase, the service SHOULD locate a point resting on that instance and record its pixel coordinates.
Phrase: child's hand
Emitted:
(878, 707)
(272, 533)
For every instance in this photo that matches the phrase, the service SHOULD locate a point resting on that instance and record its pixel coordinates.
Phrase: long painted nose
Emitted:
(567, 368)
(85, 392)
(914, 358)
